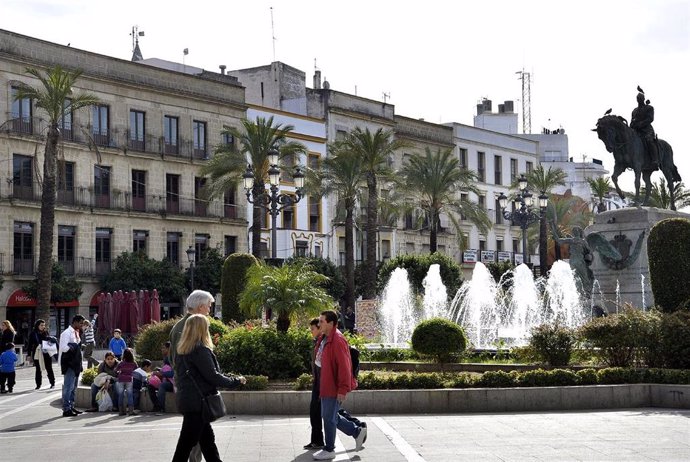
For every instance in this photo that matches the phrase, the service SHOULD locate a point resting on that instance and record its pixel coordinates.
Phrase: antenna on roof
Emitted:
(136, 52)
(386, 97)
(273, 36)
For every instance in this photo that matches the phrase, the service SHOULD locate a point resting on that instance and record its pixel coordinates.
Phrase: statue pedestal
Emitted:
(366, 322)
(625, 282)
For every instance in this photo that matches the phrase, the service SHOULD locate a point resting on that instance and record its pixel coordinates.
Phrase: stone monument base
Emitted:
(625, 282)
(365, 316)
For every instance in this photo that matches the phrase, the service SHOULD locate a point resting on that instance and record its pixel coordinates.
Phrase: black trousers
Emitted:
(48, 362)
(8, 377)
(315, 410)
(195, 431)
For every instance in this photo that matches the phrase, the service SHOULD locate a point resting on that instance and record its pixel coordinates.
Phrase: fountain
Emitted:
(397, 310)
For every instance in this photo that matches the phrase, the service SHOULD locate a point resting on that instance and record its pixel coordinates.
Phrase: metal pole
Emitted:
(274, 219)
(191, 269)
(524, 242)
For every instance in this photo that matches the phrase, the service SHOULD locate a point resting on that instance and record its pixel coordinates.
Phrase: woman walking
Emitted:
(199, 376)
(41, 359)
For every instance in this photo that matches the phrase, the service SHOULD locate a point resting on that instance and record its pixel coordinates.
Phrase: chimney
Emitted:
(317, 80)
(222, 69)
(508, 105)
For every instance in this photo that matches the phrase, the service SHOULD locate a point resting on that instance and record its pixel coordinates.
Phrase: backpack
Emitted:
(354, 357)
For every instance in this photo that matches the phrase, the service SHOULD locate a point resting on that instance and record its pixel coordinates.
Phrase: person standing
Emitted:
(125, 382)
(117, 344)
(332, 354)
(8, 359)
(316, 440)
(199, 375)
(7, 336)
(70, 364)
(41, 359)
(89, 344)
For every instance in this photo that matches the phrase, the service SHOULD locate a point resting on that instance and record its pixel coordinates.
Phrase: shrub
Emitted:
(675, 339)
(417, 267)
(148, 341)
(542, 378)
(499, 269)
(255, 383)
(463, 380)
(265, 351)
(233, 282)
(497, 379)
(552, 344)
(615, 375)
(588, 376)
(668, 250)
(389, 355)
(88, 376)
(439, 338)
(304, 382)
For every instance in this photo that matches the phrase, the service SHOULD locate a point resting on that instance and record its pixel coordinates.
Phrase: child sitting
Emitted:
(8, 358)
(140, 381)
(125, 381)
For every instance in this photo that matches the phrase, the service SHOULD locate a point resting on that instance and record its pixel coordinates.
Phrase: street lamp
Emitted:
(273, 202)
(524, 214)
(191, 257)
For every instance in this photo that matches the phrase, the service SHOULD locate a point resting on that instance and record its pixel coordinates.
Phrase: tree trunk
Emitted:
(433, 231)
(372, 219)
(349, 256)
(257, 191)
(283, 322)
(543, 242)
(45, 256)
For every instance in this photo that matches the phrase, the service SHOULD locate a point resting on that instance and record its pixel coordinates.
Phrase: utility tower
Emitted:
(526, 79)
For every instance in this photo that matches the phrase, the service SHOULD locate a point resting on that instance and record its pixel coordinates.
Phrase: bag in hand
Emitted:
(212, 407)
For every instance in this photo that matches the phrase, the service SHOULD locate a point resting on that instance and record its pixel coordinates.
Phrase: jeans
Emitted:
(69, 389)
(332, 421)
(194, 430)
(94, 392)
(122, 388)
(48, 364)
(165, 387)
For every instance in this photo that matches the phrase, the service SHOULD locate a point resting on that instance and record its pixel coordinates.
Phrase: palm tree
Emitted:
(375, 150)
(341, 174)
(287, 290)
(435, 180)
(600, 188)
(566, 212)
(544, 181)
(229, 162)
(659, 197)
(54, 96)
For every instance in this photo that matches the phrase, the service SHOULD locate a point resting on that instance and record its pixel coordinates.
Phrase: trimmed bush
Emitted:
(675, 339)
(233, 282)
(265, 351)
(304, 382)
(552, 344)
(148, 341)
(255, 383)
(668, 250)
(417, 267)
(497, 379)
(587, 376)
(440, 338)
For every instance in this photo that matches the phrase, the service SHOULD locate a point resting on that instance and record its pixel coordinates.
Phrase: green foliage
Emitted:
(150, 337)
(265, 351)
(255, 383)
(615, 375)
(498, 269)
(439, 338)
(389, 355)
(234, 279)
(288, 290)
(497, 379)
(88, 376)
(587, 376)
(335, 286)
(62, 289)
(136, 271)
(304, 382)
(551, 378)
(553, 344)
(675, 339)
(207, 271)
(668, 250)
(417, 267)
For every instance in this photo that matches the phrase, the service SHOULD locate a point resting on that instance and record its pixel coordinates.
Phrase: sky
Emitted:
(435, 59)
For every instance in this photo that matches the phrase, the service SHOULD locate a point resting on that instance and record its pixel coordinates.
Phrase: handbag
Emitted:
(105, 402)
(212, 406)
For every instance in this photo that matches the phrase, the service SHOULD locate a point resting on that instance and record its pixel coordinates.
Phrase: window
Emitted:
(263, 250)
(227, 138)
(100, 124)
(340, 135)
(230, 204)
(21, 113)
(139, 241)
(172, 251)
(230, 245)
(288, 168)
(301, 248)
(498, 170)
(408, 220)
(317, 251)
(65, 122)
(341, 251)
(139, 190)
(385, 249)
(481, 200)
(200, 204)
(499, 245)
(516, 246)
(170, 135)
(23, 248)
(482, 246)
(313, 161)
(201, 242)
(464, 199)
(66, 235)
(513, 170)
(289, 219)
(101, 186)
(499, 213)
(65, 183)
(529, 167)
(22, 177)
(463, 158)
(172, 193)
(137, 130)
(199, 129)
(103, 250)
(315, 214)
(481, 166)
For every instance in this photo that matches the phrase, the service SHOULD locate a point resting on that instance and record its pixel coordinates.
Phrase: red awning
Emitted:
(20, 299)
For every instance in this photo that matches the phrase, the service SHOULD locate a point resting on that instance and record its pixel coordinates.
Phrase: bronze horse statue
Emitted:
(629, 151)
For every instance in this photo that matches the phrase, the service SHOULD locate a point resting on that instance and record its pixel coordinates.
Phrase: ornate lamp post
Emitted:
(273, 202)
(191, 257)
(524, 214)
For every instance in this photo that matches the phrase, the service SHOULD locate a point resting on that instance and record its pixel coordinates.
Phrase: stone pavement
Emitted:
(32, 429)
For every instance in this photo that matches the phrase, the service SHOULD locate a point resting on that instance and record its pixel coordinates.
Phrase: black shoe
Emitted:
(313, 446)
(10, 390)
(38, 387)
(68, 413)
(52, 385)
(76, 412)
(3, 391)
(92, 409)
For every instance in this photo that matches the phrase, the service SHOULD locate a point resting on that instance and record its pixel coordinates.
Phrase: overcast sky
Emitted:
(436, 59)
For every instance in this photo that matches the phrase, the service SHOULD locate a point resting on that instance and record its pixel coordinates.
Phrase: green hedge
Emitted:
(668, 250)
(148, 341)
(232, 284)
(417, 267)
(553, 344)
(439, 338)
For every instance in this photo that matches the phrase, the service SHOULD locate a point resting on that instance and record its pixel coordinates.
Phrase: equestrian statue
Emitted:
(637, 147)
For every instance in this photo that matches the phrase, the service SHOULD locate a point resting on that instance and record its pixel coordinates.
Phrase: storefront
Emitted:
(21, 312)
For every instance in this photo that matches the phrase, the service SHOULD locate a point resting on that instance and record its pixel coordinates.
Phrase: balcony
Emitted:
(22, 265)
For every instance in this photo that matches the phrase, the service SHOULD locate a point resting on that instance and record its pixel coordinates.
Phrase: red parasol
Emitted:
(155, 307)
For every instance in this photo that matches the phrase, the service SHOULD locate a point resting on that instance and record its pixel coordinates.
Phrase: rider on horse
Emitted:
(641, 121)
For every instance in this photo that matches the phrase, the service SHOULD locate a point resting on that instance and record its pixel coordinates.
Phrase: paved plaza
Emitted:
(32, 429)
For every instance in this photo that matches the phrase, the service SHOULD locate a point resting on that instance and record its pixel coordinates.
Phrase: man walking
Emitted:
(332, 355)
(70, 364)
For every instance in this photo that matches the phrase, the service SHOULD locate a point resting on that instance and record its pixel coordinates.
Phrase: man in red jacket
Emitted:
(332, 354)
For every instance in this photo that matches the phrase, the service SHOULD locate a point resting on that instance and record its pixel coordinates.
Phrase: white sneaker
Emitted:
(324, 455)
(359, 439)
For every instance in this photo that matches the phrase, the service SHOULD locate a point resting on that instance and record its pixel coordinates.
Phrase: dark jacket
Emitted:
(71, 359)
(6, 339)
(36, 339)
(204, 369)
